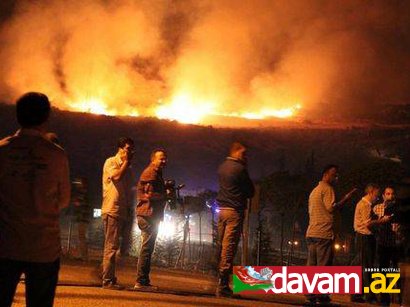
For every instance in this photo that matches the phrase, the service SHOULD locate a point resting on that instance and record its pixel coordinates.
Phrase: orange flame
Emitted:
(182, 108)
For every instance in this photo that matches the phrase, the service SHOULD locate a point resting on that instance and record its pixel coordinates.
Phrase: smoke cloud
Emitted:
(225, 57)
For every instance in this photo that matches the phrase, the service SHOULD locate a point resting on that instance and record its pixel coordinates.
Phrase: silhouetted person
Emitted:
(151, 200)
(34, 187)
(116, 206)
(320, 233)
(235, 188)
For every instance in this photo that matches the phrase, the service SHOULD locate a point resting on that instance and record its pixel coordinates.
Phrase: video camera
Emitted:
(172, 190)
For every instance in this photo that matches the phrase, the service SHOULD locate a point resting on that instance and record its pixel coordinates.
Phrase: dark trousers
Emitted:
(149, 231)
(365, 257)
(40, 279)
(320, 253)
(230, 224)
(388, 258)
(112, 231)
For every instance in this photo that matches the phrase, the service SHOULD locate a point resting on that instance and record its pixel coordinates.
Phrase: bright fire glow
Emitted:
(98, 106)
(182, 108)
(265, 113)
(92, 105)
(185, 109)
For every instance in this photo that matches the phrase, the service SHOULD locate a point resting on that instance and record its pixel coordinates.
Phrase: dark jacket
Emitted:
(235, 186)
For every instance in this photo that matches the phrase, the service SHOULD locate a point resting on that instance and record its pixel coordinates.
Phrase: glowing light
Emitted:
(98, 106)
(278, 113)
(167, 228)
(185, 109)
(92, 105)
(337, 246)
(296, 243)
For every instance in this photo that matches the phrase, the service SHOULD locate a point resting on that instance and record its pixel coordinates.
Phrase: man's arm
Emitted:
(344, 199)
(64, 186)
(149, 192)
(147, 181)
(383, 220)
(115, 172)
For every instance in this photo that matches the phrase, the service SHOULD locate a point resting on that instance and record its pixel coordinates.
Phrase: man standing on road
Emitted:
(34, 187)
(116, 206)
(151, 200)
(364, 227)
(320, 233)
(235, 188)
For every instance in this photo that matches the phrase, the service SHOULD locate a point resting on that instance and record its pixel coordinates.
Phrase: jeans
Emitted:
(112, 231)
(41, 281)
(149, 231)
(230, 224)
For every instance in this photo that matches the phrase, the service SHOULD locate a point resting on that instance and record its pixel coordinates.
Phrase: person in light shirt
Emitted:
(320, 233)
(116, 207)
(365, 240)
(34, 187)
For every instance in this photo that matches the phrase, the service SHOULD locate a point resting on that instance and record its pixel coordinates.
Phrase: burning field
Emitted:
(206, 61)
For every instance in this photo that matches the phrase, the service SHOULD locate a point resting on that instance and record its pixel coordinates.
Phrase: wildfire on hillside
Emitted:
(194, 60)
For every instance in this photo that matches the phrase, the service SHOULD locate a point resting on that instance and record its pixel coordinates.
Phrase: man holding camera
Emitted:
(151, 200)
(117, 202)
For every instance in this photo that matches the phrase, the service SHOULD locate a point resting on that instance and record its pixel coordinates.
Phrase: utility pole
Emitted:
(245, 235)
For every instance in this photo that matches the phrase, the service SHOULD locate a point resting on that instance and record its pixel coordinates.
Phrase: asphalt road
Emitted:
(80, 286)
(95, 297)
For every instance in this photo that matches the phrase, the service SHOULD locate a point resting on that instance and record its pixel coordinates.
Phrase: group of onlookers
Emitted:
(35, 186)
(378, 237)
